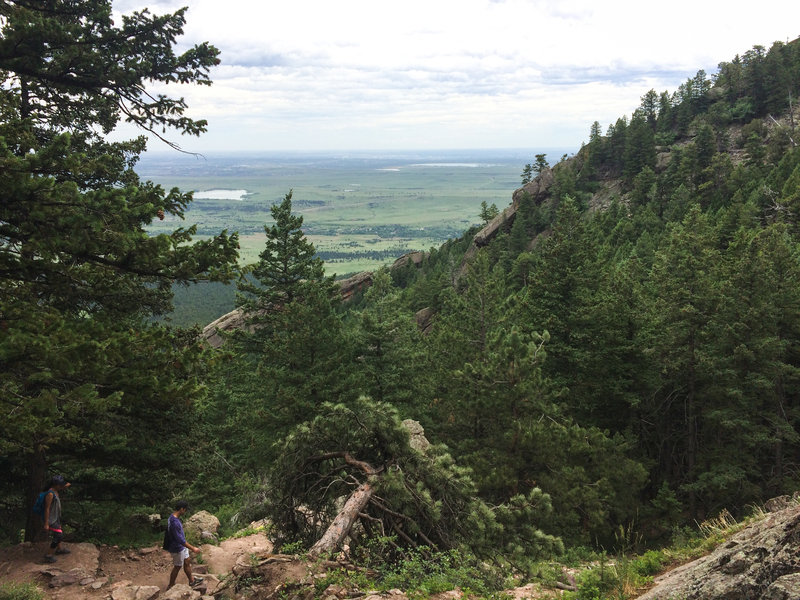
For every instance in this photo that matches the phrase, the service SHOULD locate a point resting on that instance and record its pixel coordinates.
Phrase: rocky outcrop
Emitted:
(424, 319)
(200, 523)
(538, 190)
(355, 285)
(214, 333)
(760, 562)
(414, 258)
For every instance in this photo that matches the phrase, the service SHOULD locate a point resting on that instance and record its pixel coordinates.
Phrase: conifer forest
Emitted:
(622, 352)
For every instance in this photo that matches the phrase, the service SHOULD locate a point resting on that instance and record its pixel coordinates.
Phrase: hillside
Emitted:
(612, 359)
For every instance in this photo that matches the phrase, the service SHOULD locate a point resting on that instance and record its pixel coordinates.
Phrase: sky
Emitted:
(448, 74)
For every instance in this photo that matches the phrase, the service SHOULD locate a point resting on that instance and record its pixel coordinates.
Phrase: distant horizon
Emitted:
(527, 153)
(167, 150)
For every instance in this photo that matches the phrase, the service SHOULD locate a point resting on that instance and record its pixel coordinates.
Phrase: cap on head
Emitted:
(58, 480)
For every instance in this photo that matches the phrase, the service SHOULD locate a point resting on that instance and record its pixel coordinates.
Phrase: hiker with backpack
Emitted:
(48, 506)
(175, 543)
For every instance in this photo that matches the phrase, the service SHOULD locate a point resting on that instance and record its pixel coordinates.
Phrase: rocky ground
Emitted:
(759, 562)
(91, 571)
(112, 573)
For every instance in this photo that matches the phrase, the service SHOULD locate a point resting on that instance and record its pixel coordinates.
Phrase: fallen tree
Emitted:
(352, 474)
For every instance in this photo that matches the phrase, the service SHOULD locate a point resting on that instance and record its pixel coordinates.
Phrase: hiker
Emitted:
(52, 517)
(175, 543)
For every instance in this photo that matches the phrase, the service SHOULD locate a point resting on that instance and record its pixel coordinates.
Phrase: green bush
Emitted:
(650, 563)
(424, 572)
(596, 583)
(20, 591)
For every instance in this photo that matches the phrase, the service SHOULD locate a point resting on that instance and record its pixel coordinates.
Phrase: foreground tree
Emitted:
(417, 497)
(83, 370)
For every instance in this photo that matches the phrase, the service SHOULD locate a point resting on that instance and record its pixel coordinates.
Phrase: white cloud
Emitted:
(312, 74)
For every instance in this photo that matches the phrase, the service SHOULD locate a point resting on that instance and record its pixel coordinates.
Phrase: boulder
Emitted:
(414, 258)
(784, 588)
(353, 285)
(221, 559)
(778, 504)
(136, 592)
(70, 577)
(424, 319)
(201, 522)
(180, 591)
(213, 333)
(418, 440)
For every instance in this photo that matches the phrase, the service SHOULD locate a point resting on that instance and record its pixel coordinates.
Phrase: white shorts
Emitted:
(179, 557)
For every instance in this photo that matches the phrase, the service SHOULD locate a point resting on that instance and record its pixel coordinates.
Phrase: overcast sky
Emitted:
(434, 74)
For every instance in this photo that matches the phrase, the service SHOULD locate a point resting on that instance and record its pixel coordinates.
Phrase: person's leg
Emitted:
(187, 568)
(54, 544)
(177, 563)
(60, 549)
(173, 576)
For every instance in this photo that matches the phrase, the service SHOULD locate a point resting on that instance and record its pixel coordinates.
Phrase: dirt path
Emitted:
(90, 571)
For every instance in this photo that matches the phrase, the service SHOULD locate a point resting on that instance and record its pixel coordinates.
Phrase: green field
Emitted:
(360, 212)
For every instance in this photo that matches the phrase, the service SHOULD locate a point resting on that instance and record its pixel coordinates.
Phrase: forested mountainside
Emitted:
(662, 262)
(624, 353)
(626, 344)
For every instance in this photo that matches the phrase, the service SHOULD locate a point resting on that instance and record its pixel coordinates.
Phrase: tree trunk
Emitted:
(37, 472)
(340, 528)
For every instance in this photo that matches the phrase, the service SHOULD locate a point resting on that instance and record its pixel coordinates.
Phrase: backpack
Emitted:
(38, 506)
(167, 539)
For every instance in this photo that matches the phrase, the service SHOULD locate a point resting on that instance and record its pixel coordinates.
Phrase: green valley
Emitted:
(361, 211)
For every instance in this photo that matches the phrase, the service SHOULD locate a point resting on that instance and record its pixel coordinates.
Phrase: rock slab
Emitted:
(760, 562)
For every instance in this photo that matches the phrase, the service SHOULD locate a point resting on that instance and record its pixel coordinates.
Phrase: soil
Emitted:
(90, 571)
(93, 572)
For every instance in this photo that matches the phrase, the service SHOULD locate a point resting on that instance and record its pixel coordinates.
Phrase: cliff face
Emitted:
(214, 332)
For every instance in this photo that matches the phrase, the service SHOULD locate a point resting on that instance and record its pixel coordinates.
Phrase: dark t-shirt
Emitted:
(176, 537)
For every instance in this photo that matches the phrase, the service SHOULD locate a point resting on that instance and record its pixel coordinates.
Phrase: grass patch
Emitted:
(20, 591)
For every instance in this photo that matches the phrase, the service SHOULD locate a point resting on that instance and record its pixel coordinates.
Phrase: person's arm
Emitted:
(48, 500)
(181, 538)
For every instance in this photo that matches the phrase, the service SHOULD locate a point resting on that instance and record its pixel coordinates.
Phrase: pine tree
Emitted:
(294, 352)
(685, 300)
(389, 350)
(83, 368)
(287, 264)
(423, 497)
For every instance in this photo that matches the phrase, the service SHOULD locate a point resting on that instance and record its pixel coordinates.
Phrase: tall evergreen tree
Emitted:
(389, 349)
(287, 265)
(82, 366)
(685, 299)
(294, 352)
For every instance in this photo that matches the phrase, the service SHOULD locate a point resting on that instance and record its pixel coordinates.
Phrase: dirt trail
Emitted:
(90, 571)
(93, 573)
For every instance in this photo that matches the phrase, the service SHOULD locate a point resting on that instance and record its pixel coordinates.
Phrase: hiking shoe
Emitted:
(63, 551)
(197, 581)
(49, 558)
